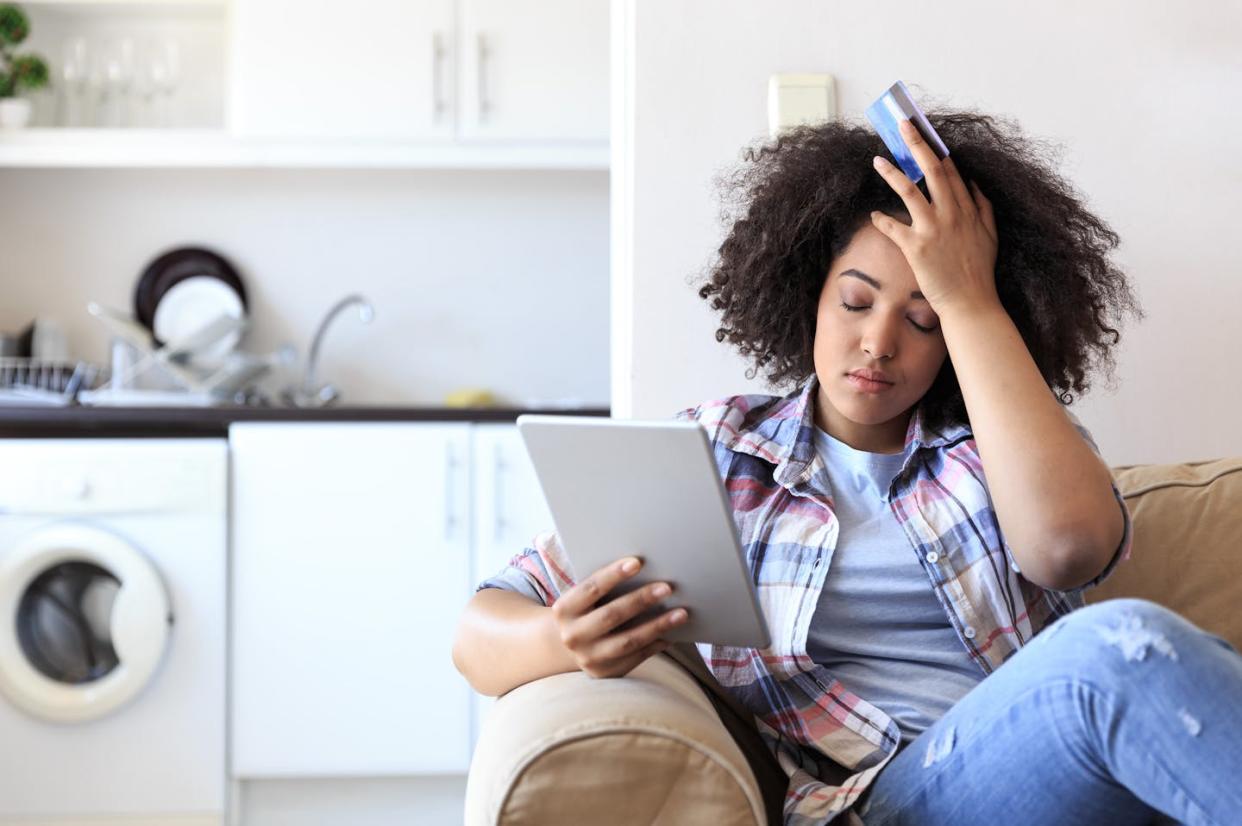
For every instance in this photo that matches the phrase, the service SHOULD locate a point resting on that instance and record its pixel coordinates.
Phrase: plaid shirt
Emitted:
(831, 742)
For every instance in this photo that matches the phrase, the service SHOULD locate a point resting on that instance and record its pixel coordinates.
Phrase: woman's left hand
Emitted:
(951, 244)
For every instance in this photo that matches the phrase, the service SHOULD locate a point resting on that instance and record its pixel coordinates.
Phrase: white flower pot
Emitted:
(14, 113)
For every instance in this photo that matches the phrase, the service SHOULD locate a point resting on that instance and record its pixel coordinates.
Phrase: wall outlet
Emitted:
(800, 98)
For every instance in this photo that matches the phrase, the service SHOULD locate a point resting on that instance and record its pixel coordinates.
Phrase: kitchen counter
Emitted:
(151, 422)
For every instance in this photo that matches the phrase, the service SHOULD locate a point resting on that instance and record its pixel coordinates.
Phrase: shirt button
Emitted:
(932, 557)
(1015, 567)
(968, 632)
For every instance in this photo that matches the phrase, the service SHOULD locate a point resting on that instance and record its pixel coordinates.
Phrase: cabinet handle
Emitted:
(450, 494)
(499, 468)
(438, 52)
(484, 54)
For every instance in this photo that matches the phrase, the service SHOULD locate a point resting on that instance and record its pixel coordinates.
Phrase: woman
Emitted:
(918, 510)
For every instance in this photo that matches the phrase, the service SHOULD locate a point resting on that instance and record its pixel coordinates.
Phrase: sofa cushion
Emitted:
(647, 748)
(1186, 554)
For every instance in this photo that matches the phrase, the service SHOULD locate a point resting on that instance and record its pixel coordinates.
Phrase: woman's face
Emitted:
(872, 273)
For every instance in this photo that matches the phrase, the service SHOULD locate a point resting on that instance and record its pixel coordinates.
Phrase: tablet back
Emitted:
(620, 487)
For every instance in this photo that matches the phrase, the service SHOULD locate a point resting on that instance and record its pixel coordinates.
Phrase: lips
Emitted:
(871, 375)
(868, 380)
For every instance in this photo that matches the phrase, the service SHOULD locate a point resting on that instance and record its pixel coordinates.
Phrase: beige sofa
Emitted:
(653, 747)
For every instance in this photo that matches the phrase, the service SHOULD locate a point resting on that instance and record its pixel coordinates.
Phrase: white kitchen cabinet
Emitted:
(509, 509)
(350, 566)
(324, 69)
(533, 69)
(513, 70)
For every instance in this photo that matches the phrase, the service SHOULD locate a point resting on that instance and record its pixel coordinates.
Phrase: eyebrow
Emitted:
(862, 276)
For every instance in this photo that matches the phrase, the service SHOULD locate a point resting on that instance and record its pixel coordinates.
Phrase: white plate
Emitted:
(190, 305)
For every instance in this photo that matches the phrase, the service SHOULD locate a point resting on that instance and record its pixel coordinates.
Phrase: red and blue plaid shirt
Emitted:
(831, 742)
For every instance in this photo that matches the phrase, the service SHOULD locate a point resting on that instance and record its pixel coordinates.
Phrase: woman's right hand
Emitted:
(588, 629)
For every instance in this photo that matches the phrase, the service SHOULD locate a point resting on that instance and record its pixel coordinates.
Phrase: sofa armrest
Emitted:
(647, 747)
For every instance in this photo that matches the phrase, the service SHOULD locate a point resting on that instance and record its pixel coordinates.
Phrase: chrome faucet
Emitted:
(307, 394)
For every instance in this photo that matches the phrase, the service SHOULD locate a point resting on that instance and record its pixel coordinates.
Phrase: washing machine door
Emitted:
(86, 623)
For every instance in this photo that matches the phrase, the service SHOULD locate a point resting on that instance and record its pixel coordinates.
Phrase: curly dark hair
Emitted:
(796, 202)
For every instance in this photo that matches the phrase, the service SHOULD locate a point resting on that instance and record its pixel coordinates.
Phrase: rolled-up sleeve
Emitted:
(540, 572)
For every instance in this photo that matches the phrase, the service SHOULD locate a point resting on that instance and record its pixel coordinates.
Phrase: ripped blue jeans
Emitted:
(1122, 712)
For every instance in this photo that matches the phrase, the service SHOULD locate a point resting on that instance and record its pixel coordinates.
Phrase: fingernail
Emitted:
(629, 566)
(679, 615)
(661, 590)
(906, 125)
(879, 162)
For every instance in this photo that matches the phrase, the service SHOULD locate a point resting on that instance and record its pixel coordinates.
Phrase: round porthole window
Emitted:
(64, 622)
(86, 622)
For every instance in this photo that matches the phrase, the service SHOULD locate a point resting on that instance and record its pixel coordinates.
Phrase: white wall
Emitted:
(479, 278)
(1142, 96)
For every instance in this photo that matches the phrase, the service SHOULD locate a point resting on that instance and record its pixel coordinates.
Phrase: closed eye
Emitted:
(851, 308)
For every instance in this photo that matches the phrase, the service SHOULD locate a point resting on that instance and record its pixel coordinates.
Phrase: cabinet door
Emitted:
(363, 69)
(509, 510)
(534, 69)
(350, 568)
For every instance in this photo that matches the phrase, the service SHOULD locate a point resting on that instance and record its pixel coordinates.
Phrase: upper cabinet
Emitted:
(509, 70)
(533, 70)
(317, 68)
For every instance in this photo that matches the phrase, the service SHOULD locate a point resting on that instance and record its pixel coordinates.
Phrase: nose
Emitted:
(880, 338)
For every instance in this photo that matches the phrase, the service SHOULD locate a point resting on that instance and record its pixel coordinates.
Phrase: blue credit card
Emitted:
(896, 105)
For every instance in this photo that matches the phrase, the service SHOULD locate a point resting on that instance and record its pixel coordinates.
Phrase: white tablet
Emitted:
(651, 489)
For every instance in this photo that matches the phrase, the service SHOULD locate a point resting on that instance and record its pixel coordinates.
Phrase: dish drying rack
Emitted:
(31, 381)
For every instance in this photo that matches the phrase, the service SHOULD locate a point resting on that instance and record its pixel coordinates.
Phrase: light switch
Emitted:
(801, 98)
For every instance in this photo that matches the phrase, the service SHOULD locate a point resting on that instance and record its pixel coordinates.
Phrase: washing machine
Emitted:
(113, 589)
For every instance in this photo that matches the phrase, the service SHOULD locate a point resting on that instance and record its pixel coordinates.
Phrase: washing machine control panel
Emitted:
(86, 476)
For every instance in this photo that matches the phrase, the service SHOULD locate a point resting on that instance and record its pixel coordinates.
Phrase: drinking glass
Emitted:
(149, 74)
(118, 77)
(165, 69)
(74, 71)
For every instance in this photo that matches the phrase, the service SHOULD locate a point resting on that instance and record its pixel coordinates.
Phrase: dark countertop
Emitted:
(95, 422)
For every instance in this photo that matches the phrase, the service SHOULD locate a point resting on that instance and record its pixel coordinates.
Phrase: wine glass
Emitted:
(125, 80)
(110, 79)
(148, 76)
(118, 76)
(165, 69)
(74, 69)
(97, 101)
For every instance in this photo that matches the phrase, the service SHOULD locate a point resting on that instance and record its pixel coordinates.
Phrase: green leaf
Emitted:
(30, 72)
(14, 25)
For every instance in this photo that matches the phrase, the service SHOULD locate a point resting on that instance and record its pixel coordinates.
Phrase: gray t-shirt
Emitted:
(878, 627)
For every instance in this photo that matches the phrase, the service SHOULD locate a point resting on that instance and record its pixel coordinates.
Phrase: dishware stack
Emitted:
(179, 346)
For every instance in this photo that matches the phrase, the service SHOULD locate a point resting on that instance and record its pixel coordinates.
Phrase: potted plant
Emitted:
(18, 73)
